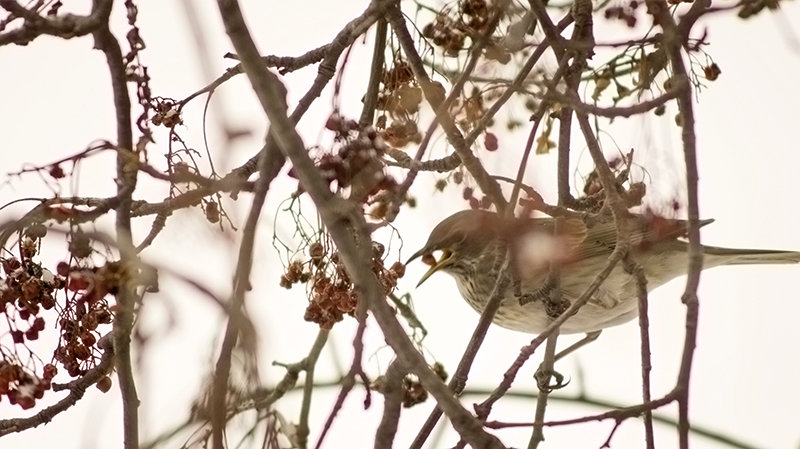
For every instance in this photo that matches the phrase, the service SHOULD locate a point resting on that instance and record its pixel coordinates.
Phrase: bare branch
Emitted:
(65, 26)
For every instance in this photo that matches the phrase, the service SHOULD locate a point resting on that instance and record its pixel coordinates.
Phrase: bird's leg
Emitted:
(542, 376)
(543, 292)
(590, 337)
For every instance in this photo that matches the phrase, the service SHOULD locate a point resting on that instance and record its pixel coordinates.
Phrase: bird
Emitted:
(474, 243)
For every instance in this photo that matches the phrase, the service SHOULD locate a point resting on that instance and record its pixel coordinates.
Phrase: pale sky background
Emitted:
(56, 100)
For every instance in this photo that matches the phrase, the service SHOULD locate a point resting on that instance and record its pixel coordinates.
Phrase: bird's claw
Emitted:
(543, 293)
(543, 376)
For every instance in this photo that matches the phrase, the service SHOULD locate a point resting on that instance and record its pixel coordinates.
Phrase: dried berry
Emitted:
(439, 370)
(316, 251)
(467, 193)
(56, 171)
(712, 72)
(88, 338)
(398, 268)
(490, 142)
(212, 212)
(38, 324)
(377, 250)
(81, 352)
(17, 337)
(32, 334)
(104, 384)
(49, 371)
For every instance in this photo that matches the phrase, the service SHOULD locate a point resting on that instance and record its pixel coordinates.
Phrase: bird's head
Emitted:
(461, 238)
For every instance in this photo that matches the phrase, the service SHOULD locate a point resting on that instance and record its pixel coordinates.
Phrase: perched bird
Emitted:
(474, 244)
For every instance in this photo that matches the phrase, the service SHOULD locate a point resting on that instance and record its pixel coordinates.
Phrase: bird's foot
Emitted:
(554, 309)
(542, 293)
(543, 380)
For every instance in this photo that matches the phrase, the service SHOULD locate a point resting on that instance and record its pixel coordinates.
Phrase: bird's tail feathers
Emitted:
(736, 256)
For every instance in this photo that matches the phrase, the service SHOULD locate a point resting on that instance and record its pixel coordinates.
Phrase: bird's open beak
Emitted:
(445, 260)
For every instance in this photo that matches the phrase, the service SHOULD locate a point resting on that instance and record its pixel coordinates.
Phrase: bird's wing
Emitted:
(601, 237)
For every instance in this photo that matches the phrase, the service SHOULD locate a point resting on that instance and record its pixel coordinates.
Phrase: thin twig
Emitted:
(127, 169)
(673, 39)
(537, 436)
(65, 26)
(308, 389)
(375, 75)
(392, 390)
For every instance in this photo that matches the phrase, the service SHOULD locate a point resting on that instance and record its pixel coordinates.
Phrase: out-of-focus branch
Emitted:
(236, 315)
(375, 75)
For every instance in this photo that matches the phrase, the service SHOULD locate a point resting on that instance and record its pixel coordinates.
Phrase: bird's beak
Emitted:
(445, 260)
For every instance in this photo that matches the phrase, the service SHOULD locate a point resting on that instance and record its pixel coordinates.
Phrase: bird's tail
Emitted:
(736, 256)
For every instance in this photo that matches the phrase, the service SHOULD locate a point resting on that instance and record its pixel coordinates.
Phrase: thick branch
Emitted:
(65, 26)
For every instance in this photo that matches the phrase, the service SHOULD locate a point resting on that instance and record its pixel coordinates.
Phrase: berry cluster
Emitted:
(167, 112)
(400, 97)
(77, 350)
(28, 290)
(356, 163)
(474, 203)
(332, 294)
(22, 387)
(450, 28)
(625, 13)
(445, 33)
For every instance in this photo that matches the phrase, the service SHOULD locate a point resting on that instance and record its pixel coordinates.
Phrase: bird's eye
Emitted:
(459, 238)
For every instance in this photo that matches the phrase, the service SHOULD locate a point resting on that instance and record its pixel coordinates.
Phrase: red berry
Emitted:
(17, 337)
(38, 324)
(490, 142)
(104, 384)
